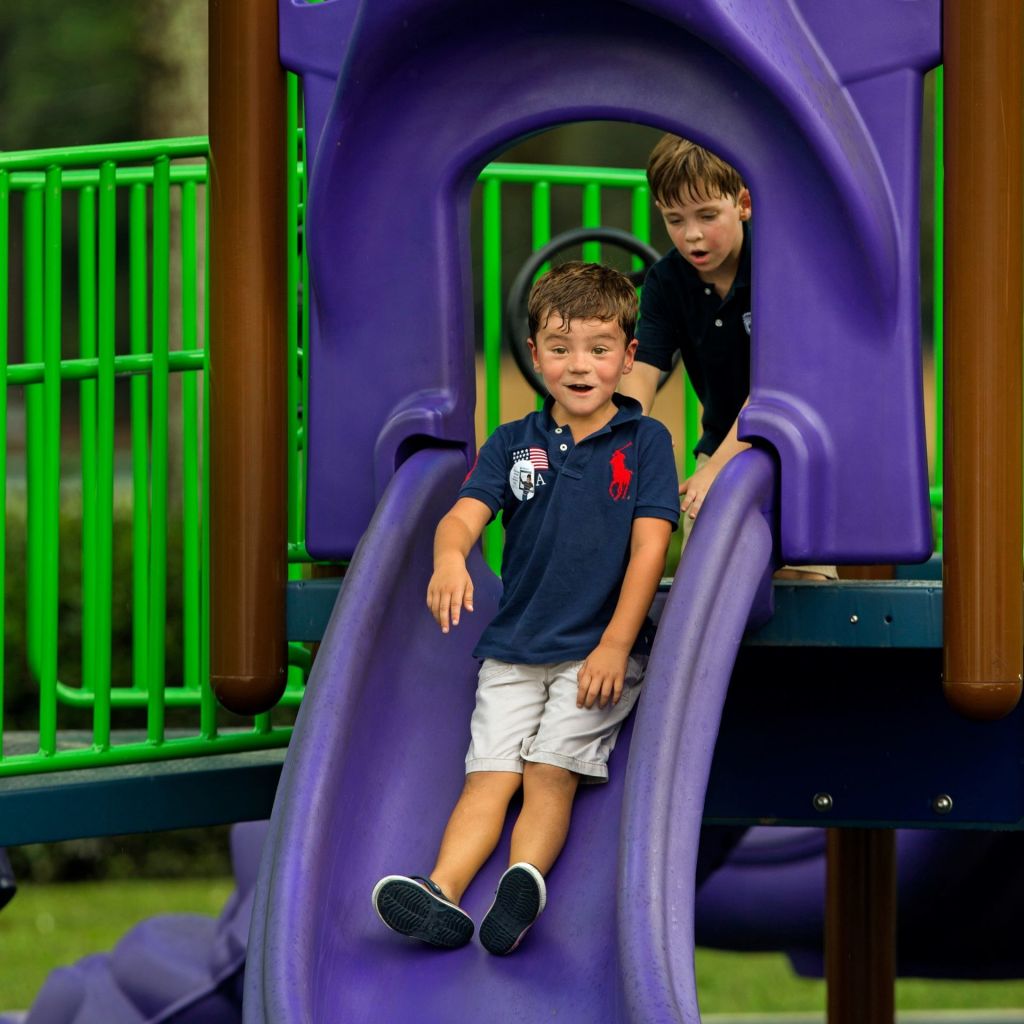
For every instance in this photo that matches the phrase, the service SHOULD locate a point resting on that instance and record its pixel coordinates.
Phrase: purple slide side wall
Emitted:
(724, 581)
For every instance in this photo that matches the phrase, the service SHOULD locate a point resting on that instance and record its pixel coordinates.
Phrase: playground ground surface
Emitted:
(50, 925)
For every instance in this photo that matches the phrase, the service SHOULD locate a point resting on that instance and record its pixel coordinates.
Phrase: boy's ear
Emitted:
(533, 352)
(627, 366)
(743, 201)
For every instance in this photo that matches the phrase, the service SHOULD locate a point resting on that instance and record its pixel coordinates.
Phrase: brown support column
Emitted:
(860, 926)
(983, 607)
(248, 526)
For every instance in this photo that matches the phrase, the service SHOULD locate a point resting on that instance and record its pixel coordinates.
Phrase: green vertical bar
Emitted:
(540, 209)
(105, 449)
(292, 301)
(293, 269)
(33, 320)
(52, 243)
(591, 219)
(691, 424)
(540, 213)
(158, 446)
(4, 278)
(492, 337)
(640, 218)
(207, 700)
(938, 256)
(138, 307)
(190, 444)
(307, 293)
(87, 429)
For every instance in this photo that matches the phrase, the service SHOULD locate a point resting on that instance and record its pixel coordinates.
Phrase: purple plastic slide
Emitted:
(375, 765)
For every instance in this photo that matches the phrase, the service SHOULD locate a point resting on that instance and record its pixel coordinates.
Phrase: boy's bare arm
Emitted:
(450, 588)
(641, 383)
(604, 672)
(694, 490)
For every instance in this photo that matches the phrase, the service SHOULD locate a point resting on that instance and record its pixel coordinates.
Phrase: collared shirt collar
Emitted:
(627, 409)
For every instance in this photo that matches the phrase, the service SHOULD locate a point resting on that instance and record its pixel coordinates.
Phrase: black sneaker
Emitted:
(518, 902)
(415, 906)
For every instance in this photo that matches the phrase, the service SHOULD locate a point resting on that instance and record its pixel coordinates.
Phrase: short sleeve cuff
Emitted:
(658, 512)
(494, 504)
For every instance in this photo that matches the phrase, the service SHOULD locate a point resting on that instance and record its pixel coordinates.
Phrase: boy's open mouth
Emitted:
(698, 254)
(581, 389)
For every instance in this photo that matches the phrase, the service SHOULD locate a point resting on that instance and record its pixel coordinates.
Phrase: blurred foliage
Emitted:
(71, 73)
(186, 853)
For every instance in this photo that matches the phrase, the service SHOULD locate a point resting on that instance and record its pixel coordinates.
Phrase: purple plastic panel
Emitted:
(820, 108)
(961, 898)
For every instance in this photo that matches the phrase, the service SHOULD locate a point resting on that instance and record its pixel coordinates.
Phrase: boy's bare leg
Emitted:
(543, 824)
(473, 829)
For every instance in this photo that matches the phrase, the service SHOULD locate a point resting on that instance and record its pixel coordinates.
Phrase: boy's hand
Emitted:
(602, 676)
(449, 591)
(693, 491)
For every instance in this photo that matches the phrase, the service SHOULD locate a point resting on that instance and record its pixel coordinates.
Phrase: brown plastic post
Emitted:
(983, 606)
(248, 526)
(860, 926)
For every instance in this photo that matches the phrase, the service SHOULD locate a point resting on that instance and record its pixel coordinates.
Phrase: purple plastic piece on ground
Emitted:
(172, 969)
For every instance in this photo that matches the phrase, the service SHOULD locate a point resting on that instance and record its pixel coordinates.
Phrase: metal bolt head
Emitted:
(822, 802)
(942, 804)
(854, 619)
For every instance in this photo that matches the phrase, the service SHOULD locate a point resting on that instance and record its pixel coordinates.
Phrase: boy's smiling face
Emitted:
(708, 231)
(582, 367)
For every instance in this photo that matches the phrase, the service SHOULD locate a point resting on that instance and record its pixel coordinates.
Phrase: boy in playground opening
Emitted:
(589, 495)
(696, 301)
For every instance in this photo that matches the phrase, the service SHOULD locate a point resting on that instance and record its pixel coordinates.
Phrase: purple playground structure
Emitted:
(818, 103)
(408, 102)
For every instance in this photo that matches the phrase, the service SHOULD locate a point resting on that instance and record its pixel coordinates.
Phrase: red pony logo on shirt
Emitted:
(621, 476)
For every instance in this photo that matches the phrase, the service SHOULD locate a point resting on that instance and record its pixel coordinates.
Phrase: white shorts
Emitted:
(528, 713)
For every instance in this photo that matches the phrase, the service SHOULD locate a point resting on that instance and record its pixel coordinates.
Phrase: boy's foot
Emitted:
(517, 904)
(416, 906)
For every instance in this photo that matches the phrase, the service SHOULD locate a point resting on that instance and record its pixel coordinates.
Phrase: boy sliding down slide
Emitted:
(589, 496)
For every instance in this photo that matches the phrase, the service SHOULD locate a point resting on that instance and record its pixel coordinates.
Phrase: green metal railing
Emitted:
(112, 212)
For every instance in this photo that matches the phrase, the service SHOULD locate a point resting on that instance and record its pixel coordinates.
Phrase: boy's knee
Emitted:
(493, 783)
(537, 775)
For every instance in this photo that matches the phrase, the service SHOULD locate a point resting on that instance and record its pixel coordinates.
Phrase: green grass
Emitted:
(764, 983)
(50, 925)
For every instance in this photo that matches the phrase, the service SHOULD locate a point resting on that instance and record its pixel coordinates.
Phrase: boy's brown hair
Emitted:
(583, 291)
(680, 169)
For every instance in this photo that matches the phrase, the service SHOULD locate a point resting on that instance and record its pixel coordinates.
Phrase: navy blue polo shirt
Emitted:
(680, 311)
(568, 512)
